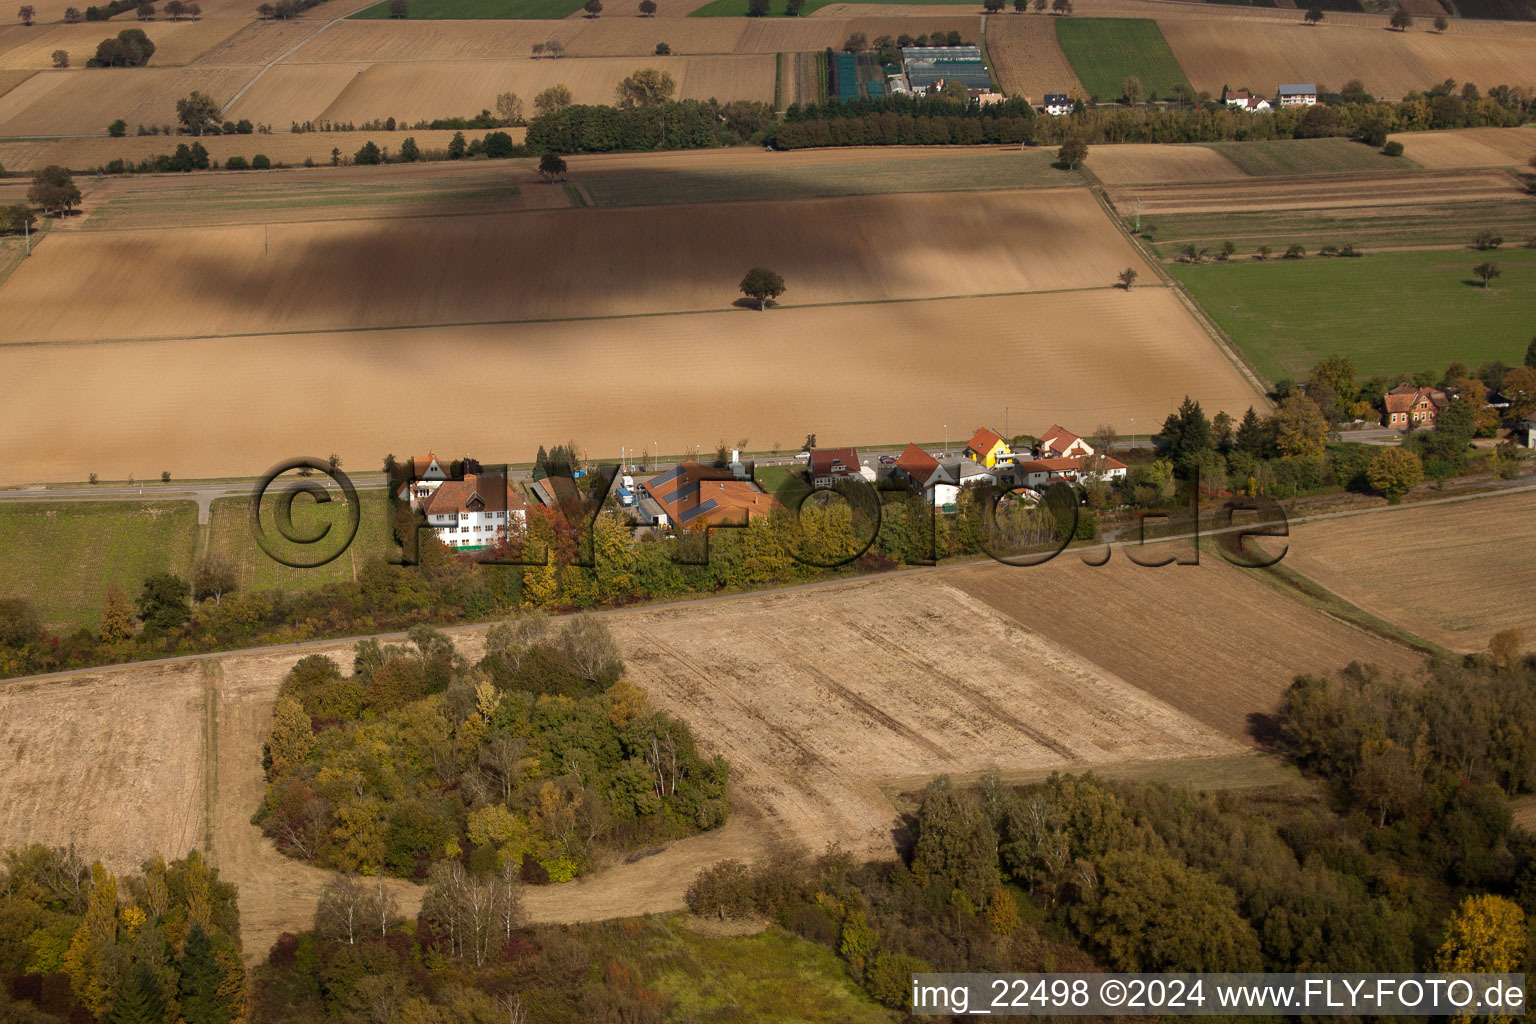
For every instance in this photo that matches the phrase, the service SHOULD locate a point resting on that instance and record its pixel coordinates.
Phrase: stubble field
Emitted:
(1028, 58)
(85, 101)
(1471, 147)
(1453, 574)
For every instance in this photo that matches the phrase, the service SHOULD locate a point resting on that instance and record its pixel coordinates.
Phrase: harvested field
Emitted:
(1208, 640)
(279, 147)
(290, 93)
(1398, 566)
(1115, 165)
(1102, 354)
(888, 684)
(378, 42)
(1471, 147)
(1256, 53)
(1028, 60)
(74, 102)
(417, 91)
(762, 35)
(198, 282)
(1384, 190)
(11, 79)
(176, 42)
(956, 670)
(1310, 156)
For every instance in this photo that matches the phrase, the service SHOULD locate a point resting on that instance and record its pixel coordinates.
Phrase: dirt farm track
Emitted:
(957, 670)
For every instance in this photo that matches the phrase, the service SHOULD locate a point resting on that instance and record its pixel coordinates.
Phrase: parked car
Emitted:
(804, 456)
(887, 460)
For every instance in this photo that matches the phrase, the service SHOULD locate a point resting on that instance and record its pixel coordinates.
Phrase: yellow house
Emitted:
(989, 449)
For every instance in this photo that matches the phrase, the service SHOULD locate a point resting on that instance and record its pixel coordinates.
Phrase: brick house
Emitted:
(1409, 407)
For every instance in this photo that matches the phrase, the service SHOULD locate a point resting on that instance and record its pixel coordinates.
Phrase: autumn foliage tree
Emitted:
(1394, 472)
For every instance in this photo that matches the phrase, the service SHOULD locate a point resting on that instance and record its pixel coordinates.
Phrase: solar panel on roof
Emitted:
(667, 477)
(689, 515)
(682, 492)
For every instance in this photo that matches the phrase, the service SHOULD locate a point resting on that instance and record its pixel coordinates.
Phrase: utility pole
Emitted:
(26, 230)
(1006, 435)
(1138, 215)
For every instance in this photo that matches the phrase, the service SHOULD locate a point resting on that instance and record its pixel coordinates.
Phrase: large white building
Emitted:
(1303, 95)
(478, 511)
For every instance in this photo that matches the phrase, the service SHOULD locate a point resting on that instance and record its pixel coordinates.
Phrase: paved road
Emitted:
(203, 494)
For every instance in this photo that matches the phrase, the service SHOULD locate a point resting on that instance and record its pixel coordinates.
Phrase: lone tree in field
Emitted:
(1062, 7)
(552, 166)
(509, 106)
(552, 100)
(399, 9)
(648, 8)
(1484, 240)
(61, 58)
(663, 50)
(1264, 251)
(1128, 277)
(593, 8)
(991, 6)
(645, 88)
(53, 189)
(1394, 472)
(763, 285)
(1132, 89)
(1487, 271)
(1401, 19)
(25, 14)
(1313, 15)
(1072, 153)
(1441, 23)
(72, 15)
(199, 113)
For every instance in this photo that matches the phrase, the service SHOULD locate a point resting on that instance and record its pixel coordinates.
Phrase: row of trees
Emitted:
(536, 760)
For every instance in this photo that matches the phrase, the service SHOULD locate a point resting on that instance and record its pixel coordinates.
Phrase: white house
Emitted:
(475, 512)
(1242, 99)
(1303, 95)
(1040, 473)
(1057, 103)
(426, 475)
(1059, 443)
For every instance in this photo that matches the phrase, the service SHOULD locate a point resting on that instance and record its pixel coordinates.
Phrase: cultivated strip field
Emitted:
(1099, 354)
(1453, 574)
(217, 281)
(176, 42)
(1259, 54)
(1309, 193)
(1471, 147)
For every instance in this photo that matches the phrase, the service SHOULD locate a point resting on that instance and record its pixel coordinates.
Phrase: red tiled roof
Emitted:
(1405, 396)
(983, 441)
(827, 461)
(420, 467)
(454, 496)
(916, 463)
(699, 484)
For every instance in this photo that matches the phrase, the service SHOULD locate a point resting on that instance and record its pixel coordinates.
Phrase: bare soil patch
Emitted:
(1121, 164)
(1471, 147)
(1028, 60)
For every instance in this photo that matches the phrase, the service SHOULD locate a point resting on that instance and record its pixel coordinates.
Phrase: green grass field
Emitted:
(62, 555)
(994, 170)
(230, 535)
(1106, 51)
(1310, 156)
(1388, 311)
(1431, 224)
(766, 978)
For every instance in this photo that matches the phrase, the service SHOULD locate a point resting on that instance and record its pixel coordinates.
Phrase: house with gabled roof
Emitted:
(920, 468)
(1060, 443)
(693, 494)
(426, 474)
(987, 448)
(1039, 473)
(1409, 407)
(479, 511)
(829, 465)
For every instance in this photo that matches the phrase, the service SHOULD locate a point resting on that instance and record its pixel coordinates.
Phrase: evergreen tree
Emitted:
(139, 1000)
(1250, 434)
(1188, 434)
(1530, 354)
(199, 984)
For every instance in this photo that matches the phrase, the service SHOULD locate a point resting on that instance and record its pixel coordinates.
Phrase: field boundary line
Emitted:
(301, 333)
(278, 59)
(213, 674)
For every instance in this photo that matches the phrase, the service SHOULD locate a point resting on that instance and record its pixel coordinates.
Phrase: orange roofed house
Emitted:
(693, 494)
(1409, 407)
(988, 449)
(478, 511)
(1059, 443)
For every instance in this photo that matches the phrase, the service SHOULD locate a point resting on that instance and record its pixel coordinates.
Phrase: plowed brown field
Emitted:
(84, 102)
(241, 280)
(1152, 164)
(1471, 147)
(1453, 574)
(1260, 54)
(666, 383)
